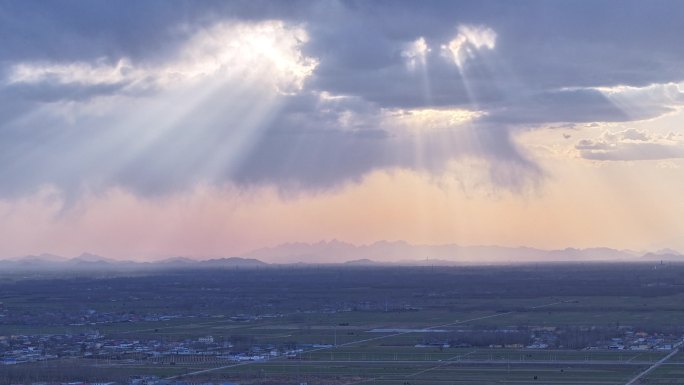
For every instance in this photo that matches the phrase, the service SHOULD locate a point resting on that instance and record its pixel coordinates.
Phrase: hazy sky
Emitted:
(145, 129)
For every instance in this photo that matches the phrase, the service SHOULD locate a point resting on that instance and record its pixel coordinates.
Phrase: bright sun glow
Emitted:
(470, 38)
(245, 51)
(429, 119)
(415, 53)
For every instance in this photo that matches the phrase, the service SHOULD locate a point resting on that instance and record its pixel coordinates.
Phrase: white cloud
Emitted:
(641, 103)
(266, 52)
(270, 48)
(424, 119)
(416, 53)
(635, 135)
(81, 73)
(353, 114)
(469, 39)
(631, 144)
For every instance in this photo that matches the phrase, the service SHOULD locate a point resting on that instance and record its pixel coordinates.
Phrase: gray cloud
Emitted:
(546, 66)
(540, 48)
(559, 106)
(300, 147)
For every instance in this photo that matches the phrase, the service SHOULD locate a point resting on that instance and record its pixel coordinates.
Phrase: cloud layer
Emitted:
(157, 98)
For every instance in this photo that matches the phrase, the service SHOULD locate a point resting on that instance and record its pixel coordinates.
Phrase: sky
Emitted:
(150, 129)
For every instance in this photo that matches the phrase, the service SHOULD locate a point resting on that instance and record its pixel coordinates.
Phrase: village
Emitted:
(20, 349)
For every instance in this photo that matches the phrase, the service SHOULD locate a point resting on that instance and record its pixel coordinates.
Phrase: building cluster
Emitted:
(25, 348)
(640, 340)
(627, 338)
(18, 349)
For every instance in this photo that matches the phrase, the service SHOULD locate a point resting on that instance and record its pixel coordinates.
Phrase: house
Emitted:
(206, 340)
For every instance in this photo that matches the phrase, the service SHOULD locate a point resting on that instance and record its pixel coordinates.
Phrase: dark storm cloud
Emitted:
(547, 62)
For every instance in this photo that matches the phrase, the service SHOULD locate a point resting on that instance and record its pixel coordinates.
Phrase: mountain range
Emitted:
(402, 252)
(337, 252)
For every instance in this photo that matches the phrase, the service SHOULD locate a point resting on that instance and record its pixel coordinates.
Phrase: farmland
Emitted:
(550, 324)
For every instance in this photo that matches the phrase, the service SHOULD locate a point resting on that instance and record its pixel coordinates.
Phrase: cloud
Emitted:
(227, 50)
(469, 40)
(73, 73)
(331, 147)
(557, 106)
(315, 95)
(149, 127)
(631, 145)
(415, 53)
(295, 142)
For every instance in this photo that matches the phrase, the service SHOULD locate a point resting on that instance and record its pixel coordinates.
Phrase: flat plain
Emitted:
(529, 324)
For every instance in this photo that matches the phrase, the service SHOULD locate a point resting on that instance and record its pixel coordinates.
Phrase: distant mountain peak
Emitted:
(233, 261)
(363, 261)
(383, 251)
(177, 260)
(92, 258)
(675, 256)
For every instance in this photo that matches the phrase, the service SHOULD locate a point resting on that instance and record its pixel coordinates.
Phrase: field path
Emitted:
(651, 368)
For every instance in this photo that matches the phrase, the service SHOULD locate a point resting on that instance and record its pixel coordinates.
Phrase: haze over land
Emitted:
(336, 252)
(211, 129)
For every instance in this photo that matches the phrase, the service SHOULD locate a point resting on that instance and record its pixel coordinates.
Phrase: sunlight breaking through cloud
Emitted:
(415, 53)
(228, 50)
(426, 119)
(470, 38)
(316, 100)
